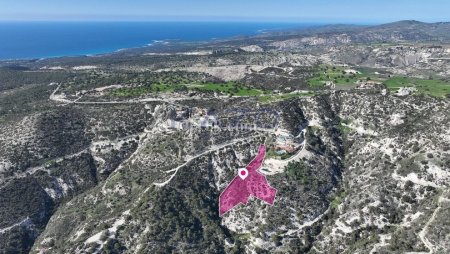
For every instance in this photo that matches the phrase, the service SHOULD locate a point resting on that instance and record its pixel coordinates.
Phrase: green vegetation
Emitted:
(338, 199)
(114, 179)
(404, 240)
(433, 87)
(298, 171)
(49, 163)
(344, 129)
(142, 90)
(31, 98)
(361, 243)
(12, 78)
(343, 126)
(335, 74)
(272, 154)
(230, 88)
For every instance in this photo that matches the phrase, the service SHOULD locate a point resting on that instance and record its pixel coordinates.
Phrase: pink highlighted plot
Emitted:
(248, 182)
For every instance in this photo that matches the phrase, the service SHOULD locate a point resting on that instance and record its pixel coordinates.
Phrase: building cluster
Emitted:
(369, 84)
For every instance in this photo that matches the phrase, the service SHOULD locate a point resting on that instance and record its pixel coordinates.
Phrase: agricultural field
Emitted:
(433, 87)
(336, 74)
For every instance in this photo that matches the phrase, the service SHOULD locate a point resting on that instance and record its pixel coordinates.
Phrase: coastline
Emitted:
(91, 54)
(189, 33)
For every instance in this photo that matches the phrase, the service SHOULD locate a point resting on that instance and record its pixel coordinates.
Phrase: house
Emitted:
(351, 71)
(405, 91)
(207, 121)
(369, 84)
(287, 148)
(330, 84)
(177, 125)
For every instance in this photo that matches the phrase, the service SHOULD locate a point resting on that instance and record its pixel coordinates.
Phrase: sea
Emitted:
(30, 40)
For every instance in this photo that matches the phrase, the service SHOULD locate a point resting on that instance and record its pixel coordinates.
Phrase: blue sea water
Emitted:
(24, 40)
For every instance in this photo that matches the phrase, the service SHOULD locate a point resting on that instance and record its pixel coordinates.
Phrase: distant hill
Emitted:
(406, 30)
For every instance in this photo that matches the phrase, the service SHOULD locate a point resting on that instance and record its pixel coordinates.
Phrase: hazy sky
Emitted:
(345, 11)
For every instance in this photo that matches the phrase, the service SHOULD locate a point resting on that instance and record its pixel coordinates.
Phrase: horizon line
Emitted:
(312, 22)
(298, 20)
